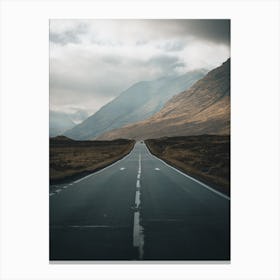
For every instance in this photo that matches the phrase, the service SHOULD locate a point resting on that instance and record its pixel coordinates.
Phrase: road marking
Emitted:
(188, 176)
(138, 236)
(137, 199)
(139, 161)
(139, 168)
(157, 168)
(138, 233)
(58, 190)
(122, 168)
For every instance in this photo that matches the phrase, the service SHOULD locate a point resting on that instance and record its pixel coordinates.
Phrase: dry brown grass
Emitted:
(205, 157)
(71, 159)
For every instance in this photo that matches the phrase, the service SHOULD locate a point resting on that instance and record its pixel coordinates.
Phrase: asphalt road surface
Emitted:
(139, 208)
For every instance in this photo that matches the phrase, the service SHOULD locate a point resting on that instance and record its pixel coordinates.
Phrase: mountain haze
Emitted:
(202, 109)
(59, 122)
(137, 103)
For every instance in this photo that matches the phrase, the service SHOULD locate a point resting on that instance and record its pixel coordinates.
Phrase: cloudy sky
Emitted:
(93, 61)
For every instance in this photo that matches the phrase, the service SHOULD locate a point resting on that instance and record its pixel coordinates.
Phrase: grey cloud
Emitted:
(69, 36)
(102, 79)
(111, 59)
(162, 60)
(85, 80)
(89, 66)
(78, 115)
(166, 64)
(141, 42)
(173, 46)
(145, 31)
(64, 38)
(213, 30)
(82, 86)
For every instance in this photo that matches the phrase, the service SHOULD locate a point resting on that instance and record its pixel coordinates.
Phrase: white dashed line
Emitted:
(137, 199)
(157, 168)
(138, 235)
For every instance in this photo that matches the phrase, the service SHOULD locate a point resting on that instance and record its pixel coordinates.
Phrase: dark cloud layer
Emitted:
(212, 30)
(216, 31)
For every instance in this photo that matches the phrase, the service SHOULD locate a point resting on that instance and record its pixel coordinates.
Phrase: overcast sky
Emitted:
(93, 61)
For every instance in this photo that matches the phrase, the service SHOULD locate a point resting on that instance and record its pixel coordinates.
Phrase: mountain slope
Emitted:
(202, 109)
(137, 103)
(59, 122)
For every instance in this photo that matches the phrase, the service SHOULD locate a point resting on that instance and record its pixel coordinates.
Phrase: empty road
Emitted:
(139, 208)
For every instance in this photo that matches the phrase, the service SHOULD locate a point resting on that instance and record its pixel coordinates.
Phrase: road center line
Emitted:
(139, 161)
(137, 199)
(138, 235)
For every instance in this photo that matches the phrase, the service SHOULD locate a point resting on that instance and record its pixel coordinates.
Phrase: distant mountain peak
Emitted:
(61, 138)
(204, 108)
(138, 102)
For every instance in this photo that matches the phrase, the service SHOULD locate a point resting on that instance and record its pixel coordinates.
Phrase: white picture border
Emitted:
(255, 139)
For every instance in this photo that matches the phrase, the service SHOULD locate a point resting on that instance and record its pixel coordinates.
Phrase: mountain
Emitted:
(59, 122)
(61, 138)
(202, 109)
(137, 103)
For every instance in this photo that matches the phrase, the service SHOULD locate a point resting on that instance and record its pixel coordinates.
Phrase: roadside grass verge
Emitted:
(70, 159)
(204, 157)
